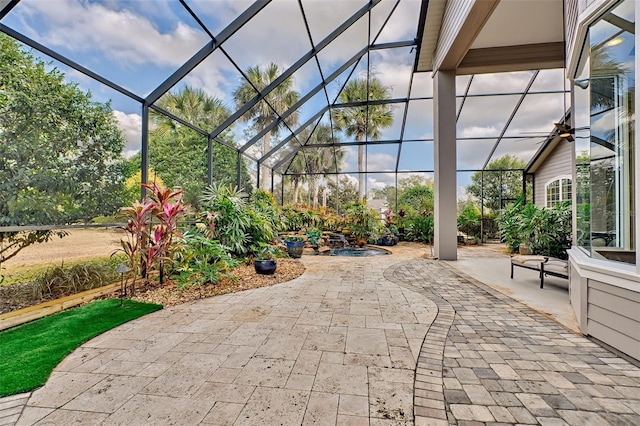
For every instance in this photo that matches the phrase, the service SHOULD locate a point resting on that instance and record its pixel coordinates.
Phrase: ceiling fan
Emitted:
(565, 131)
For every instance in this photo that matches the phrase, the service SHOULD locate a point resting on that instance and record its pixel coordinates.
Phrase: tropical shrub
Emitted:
(293, 217)
(490, 225)
(361, 220)
(266, 219)
(243, 226)
(547, 231)
(314, 236)
(420, 228)
(201, 260)
(329, 220)
(228, 217)
(149, 244)
(469, 220)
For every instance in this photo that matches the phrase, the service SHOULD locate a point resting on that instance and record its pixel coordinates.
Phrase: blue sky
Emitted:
(138, 44)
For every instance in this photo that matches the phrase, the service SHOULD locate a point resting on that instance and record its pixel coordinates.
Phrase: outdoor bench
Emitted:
(543, 264)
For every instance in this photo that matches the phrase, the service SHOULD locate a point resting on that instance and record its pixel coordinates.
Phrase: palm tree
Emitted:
(321, 160)
(297, 171)
(178, 154)
(193, 106)
(363, 121)
(262, 114)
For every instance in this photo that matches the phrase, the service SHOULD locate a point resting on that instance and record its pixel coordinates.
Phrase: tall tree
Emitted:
(502, 182)
(341, 193)
(265, 112)
(313, 162)
(363, 121)
(194, 106)
(414, 194)
(320, 160)
(417, 198)
(60, 151)
(297, 172)
(179, 155)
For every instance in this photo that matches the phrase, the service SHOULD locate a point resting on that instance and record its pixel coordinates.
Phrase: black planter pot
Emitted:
(390, 240)
(265, 267)
(295, 248)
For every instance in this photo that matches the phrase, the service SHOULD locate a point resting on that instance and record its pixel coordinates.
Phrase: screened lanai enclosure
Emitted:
(300, 98)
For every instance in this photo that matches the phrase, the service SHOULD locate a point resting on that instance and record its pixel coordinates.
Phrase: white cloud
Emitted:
(373, 183)
(536, 115)
(381, 161)
(478, 132)
(261, 41)
(402, 24)
(500, 83)
(212, 81)
(131, 127)
(380, 180)
(396, 76)
(461, 193)
(122, 35)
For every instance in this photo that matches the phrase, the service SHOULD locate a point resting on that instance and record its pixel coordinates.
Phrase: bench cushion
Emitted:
(557, 266)
(530, 261)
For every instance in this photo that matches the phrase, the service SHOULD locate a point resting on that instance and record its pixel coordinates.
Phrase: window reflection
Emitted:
(607, 210)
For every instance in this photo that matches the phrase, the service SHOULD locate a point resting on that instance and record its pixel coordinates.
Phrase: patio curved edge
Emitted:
(326, 339)
(491, 358)
(428, 400)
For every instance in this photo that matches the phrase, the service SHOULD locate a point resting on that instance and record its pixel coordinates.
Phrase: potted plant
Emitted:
(264, 262)
(295, 245)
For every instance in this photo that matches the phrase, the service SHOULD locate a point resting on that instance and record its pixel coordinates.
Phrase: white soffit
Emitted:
(517, 22)
(435, 12)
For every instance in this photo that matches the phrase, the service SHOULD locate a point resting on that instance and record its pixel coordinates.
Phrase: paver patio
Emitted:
(353, 341)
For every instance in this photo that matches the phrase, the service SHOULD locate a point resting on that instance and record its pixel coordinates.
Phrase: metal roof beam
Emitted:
(393, 45)
(60, 58)
(295, 133)
(376, 102)
(7, 7)
(304, 99)
(292, 69)
(194, 128)
(203, 53)
(513, 114)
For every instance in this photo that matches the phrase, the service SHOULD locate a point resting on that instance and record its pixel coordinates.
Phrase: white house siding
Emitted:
(455, 14)
(613, 316)
(557, 164)
(571, 9)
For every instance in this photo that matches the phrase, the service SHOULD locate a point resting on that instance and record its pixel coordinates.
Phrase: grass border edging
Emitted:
(30, 352)
(24, 315)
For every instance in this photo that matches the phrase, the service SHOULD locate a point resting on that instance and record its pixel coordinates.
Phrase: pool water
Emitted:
(358, 252)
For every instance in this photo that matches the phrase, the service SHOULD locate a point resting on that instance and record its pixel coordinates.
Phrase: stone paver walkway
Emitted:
(491, 360)
(373, 341)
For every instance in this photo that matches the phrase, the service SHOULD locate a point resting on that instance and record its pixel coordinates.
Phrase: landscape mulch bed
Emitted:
(243, 277)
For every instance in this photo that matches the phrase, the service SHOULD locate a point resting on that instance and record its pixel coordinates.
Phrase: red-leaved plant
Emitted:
(151, 227)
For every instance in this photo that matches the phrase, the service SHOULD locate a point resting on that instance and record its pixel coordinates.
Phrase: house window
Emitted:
(604, 112)
(558, 191)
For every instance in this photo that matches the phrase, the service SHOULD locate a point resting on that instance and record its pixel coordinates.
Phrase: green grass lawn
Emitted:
(28, 353)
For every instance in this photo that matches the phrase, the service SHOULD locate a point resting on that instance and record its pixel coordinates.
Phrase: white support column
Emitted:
(444, 122)
(636, 177)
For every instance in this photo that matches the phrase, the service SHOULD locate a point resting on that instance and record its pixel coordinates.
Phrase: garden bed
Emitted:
(243, 277)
